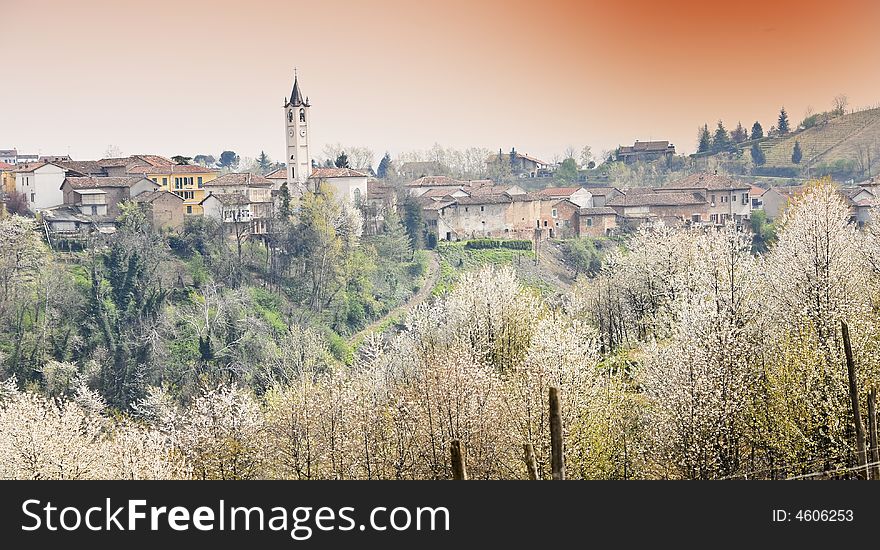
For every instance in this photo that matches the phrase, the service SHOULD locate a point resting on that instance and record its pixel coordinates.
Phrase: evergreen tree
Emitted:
(228, 159)
(342, 161)
(758, 155)
(782, 125)
(264, 162)
(739, 133)
(384, 165)
(757, 130)
(284, 211)
(394, 242)
(704, 140)
(721, 140)
(796, 153)
(412, 220)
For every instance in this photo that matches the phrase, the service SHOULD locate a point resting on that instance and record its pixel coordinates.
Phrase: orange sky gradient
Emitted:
(190, 77)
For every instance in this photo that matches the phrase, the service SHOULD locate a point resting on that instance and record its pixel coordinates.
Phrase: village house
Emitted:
(163, 208)
(728, 198)
(347, 184)
(860, 200)
(8, 156)
(415, 170)
(100, 197)
(257, 206)
(519, 164)
(7, 177)
(578, 195)
(644, 205)
(645, 151)
(601, 195)
(278, 177)
(186, 180)
(40, 184)
(756, 196)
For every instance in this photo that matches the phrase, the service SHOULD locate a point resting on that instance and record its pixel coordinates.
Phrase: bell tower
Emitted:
(296, 122)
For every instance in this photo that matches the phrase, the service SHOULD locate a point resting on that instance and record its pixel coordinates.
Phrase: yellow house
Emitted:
(7, 177)
(186, 180)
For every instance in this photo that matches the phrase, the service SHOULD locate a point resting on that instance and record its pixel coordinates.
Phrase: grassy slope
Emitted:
(838, 139)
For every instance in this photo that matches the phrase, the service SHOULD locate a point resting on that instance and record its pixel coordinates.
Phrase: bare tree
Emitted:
(840, 104)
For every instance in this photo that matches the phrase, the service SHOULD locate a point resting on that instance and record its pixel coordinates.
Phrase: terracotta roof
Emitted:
(436, 181)
(6, 166)
(437, 205)
(756, 191)
(705, 180)
(788, 190)
(641, 197)
(494, 157)
(489, 190)
(645, 147)
(279, 174)
(170, 169)
(90, 182)
(151, 196)
(439, 192)
(498, 199)
(239, 179)
(559, 191)
(29, 167)
(597, 211)
(336, 173)
(84, 167)
(228, 198)
(602, 191)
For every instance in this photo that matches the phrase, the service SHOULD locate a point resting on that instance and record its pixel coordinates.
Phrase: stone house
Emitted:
(645, 151)
(163, 208)
(101, 196)
(728, 198)
(640, 205)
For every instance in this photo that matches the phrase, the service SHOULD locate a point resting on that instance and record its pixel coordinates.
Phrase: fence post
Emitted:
(531, 461)
(557, 460)
(872, 434)
(459, 470)
(854, 400)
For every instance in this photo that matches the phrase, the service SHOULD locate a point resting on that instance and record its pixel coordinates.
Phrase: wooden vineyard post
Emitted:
(459, 469)
(531, 461)
(874, 453)
(854, 400)
(557, 460)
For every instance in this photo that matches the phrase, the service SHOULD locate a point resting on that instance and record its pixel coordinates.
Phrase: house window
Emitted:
(164, 181)
(482, 208)
(465, 208)
(695, 218)
(553, 212)
(545, 223)
(200, 182)
(33, 197)
(714, 218)
(723, 198)
(357, 195)
(189, 209)
(745, 198)
(712, 199)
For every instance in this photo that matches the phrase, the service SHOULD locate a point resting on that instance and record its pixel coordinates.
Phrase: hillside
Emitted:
(840, 142)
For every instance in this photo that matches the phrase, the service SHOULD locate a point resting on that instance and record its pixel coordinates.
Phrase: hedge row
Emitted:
(513, 244)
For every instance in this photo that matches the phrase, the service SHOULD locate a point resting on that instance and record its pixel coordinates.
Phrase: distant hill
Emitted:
(844, 144)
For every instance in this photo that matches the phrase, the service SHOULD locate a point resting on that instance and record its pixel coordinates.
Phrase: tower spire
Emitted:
(296, 97)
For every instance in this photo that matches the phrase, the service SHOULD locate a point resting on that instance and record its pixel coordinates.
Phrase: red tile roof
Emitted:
(336, 173)
(559, 191)
(239, 179)
(100, 181)
(705, 180)
(170, 169)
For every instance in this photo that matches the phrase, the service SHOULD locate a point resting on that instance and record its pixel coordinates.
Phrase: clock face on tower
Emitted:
(302, 132)
(290, 132)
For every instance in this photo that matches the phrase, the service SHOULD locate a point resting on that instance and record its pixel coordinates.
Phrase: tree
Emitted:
(413, 220)
(586, 157)
(284, 210)
(704, 139)
(342, 161)
(264, 162)
(229, 160)
(582, 255)
(180, 159)
(782, 125)
(394, 242)
(796, 153)
(758, 157)
(839, 105)
(721, 140)
(757, 130)
(739, 133)
(205, 160)
(567, 171)
(384, 166)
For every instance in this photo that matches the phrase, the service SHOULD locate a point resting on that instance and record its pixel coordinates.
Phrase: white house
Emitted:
(347, 184)
(40, 183)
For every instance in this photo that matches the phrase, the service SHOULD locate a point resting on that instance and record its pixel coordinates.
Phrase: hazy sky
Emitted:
(198, 76)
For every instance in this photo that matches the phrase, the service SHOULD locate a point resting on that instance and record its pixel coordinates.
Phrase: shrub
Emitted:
(512, 244)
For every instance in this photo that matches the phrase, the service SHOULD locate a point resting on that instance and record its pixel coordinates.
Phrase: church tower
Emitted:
(296, 121)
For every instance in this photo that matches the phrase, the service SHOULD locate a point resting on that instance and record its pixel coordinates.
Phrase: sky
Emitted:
(201, 76)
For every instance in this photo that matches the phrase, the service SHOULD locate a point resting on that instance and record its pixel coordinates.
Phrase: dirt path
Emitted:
(423, 294)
